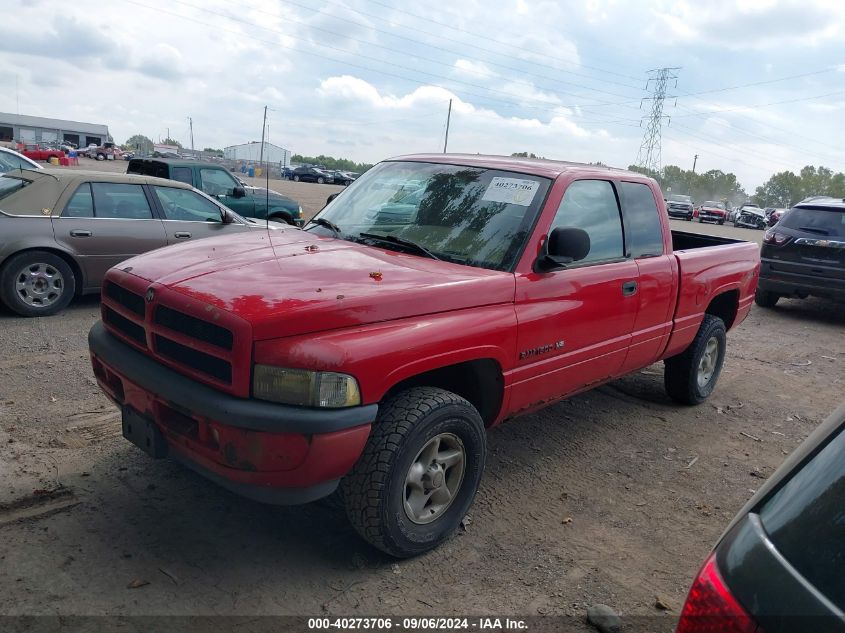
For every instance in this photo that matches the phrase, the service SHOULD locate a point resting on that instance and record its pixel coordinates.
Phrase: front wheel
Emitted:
(282, 217)
(36, 283)
(419, 471)
(691, 376)
(321, 180)
(296, 178)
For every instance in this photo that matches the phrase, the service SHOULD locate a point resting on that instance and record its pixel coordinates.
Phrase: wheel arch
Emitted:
(479, 381)
(725, 305)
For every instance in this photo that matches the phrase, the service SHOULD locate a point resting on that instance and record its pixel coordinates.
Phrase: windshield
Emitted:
(468, 215)
(678, 198)
(710, 203)
(822, 221)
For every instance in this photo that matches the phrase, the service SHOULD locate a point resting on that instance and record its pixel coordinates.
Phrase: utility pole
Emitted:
(191, 123)
(168, 134)
(694, 161)
(448, 120)
(263, 129)
(649, 155)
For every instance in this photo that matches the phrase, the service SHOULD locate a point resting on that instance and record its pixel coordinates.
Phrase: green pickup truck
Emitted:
(216, 181)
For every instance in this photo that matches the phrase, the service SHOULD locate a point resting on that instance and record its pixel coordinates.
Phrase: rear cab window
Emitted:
(183, 174)
(805, 519)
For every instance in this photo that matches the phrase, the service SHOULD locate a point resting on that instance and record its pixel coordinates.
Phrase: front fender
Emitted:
(384, 354)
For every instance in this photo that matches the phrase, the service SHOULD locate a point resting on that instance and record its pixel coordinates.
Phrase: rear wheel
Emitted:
(321, 180)
(766, 298)
(419, 472)
(36, 283)
(691, 376)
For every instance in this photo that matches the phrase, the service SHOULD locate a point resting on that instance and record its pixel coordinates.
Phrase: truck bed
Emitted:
(683, 241)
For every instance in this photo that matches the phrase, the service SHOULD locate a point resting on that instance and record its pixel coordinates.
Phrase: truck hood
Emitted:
(289, 282)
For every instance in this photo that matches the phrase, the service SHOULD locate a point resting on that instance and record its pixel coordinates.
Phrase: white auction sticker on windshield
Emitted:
(511, 191)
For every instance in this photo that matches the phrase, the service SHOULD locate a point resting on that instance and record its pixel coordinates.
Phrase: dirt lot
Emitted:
(614, 496)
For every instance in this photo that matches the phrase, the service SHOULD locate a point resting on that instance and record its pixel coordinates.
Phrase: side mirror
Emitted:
(566, 244)
(238, 192)
(332, 197)
(226, 216)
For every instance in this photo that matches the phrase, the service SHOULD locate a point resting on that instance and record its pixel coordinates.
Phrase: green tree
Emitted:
(138, 142)
(211, 150)
(787, 188)
(711, 185)
(170, 141)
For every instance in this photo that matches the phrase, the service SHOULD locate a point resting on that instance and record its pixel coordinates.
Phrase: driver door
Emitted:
(189, 216)
(219, 184)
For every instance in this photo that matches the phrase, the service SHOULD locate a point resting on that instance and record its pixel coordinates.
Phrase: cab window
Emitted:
(216, 182)
(183, 174)
(591, 205)
(186, 205)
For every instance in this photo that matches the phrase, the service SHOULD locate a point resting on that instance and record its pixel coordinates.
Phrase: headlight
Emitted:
(305, 388)
(299, 213)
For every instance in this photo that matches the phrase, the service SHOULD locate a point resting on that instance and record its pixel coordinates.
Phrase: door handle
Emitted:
(79, 233)
(629, 288)
(182, 235)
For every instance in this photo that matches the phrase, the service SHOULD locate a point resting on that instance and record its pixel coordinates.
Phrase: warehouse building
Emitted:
(251, 153)
(35, 129)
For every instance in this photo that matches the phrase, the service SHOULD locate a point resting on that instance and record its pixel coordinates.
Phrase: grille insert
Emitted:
(207, 364)
(193, 327)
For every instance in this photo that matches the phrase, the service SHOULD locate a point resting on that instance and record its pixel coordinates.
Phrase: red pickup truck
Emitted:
(437, 296)
(36, 152)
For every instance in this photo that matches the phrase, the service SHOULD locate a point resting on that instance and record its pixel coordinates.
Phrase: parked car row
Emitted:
(321, 175)
(62, 230)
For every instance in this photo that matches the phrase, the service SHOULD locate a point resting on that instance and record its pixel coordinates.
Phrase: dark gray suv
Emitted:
(779, 566)
(804, 253)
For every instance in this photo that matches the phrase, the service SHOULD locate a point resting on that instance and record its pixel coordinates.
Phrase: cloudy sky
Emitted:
(761, 86)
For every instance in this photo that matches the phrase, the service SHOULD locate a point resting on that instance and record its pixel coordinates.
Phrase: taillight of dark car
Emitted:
(711, 608)
(775, 237)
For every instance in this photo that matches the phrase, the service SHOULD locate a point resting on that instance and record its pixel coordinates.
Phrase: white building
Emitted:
(251, 153)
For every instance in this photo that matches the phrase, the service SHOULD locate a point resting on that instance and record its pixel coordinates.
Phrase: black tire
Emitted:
(320, 180)
(374, 491)
(681, 372)
(721, 222)
(295, 178)
(10, 274)
(766, 298)
(101, 157)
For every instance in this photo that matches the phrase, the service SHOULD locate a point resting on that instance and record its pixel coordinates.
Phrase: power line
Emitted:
(489, 39)
(375, 59)
(420, 57)
(649, 155)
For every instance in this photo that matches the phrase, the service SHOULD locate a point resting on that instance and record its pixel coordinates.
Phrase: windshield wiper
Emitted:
(811, 229)
(334, 228)
(393, 239)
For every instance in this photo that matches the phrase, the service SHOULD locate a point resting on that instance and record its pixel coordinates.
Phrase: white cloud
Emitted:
(473, 69)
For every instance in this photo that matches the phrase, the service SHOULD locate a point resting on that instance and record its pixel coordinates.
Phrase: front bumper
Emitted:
(262, 450)
(710, 217)
(680, 213)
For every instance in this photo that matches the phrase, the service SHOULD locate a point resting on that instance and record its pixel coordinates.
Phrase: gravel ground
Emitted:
(614, 496)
